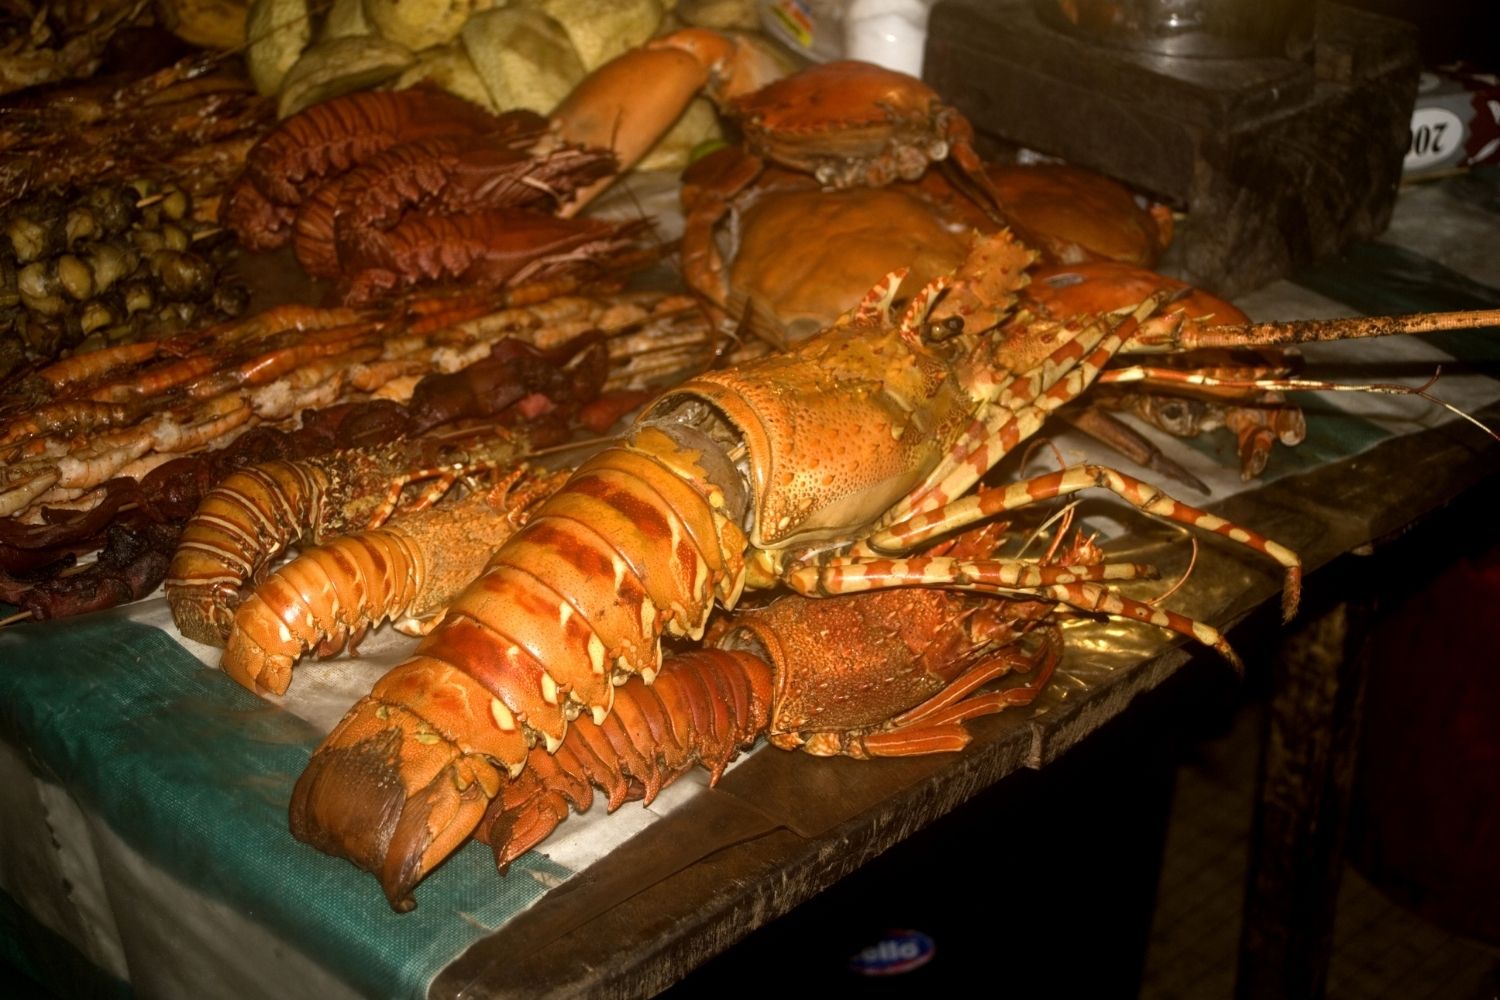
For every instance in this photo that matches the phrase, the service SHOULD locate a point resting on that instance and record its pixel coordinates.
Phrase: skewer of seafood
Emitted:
(75, 424)
(599, 353)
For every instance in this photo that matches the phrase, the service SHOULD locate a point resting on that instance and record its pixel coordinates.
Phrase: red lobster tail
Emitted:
(391, 790)
(705, 707)
(627, 551)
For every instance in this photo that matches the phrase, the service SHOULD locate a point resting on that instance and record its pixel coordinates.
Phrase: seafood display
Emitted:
(713, 491)
(845, 123)
(803, 533)
(144, 401)
(43, 43)
(97, 250)
(827, 469)
(110, 265)
(890, 673)
(781, 251)
(189, 124)
(85, 474)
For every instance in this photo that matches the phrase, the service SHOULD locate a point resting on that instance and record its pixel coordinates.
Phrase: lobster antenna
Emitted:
(1136, 374)
(1319, 330)
(19, 616)
(567, 446)
(1065, 513)
(1192, 561)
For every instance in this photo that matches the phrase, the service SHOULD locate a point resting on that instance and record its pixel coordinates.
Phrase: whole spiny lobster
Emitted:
(256, 513)
(406, 570)
(824, 469)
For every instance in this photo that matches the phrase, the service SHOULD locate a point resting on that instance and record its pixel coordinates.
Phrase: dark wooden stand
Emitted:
(1274, 161)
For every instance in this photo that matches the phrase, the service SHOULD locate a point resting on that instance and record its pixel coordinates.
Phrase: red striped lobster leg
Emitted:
(856, 575)
(1020, 407)
(986, 503)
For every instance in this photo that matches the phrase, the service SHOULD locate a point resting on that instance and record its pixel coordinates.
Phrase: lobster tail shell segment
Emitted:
(237, 530)
(627, 551)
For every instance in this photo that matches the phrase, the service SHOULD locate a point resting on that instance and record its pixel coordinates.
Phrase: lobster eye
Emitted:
(950, 327)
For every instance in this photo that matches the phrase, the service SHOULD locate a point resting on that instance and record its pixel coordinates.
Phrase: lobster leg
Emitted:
(986, 503)
(937, 725)
(1019, 407)
(1108, 430)
(850, 576)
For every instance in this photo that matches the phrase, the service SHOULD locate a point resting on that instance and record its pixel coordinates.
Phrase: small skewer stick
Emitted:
(19, 616)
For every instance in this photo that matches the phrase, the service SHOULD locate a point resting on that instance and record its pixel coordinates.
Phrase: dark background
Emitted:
(1451, 30)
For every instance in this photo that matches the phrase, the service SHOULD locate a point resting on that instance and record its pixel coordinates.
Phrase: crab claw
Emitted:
(392, 791)
(630, 102)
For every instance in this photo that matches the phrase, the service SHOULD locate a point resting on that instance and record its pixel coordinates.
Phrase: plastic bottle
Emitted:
(891, 33)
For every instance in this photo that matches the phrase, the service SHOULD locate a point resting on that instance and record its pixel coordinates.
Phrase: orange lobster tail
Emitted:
(574, 603)
(704, 708)
(407, 571)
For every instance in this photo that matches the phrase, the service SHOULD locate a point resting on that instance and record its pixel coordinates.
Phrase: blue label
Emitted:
(897, 952)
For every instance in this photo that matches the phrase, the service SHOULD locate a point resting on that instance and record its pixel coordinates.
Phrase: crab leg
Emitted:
(607, 111)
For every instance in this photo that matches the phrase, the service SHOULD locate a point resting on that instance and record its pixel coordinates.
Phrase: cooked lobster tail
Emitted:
(406, 571)
(705, 707)
(256, 513)
(397, 829)
(638, 544)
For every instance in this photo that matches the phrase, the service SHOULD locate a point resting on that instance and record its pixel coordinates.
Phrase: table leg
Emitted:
(1296, 848)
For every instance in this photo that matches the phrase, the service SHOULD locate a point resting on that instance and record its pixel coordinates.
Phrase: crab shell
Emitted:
(1081, 215)
(1063, 290)
(804, 255)
(851, 123)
